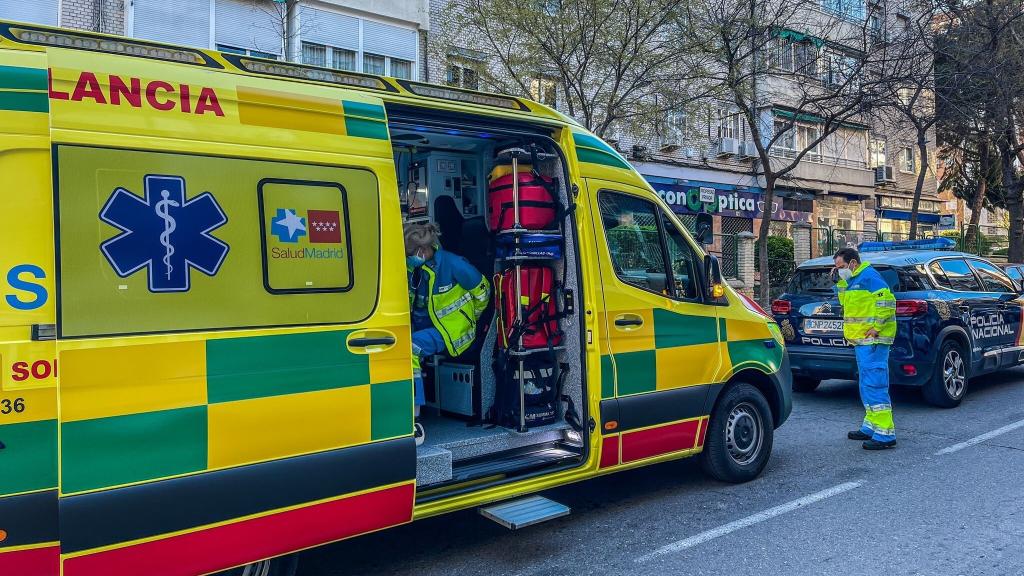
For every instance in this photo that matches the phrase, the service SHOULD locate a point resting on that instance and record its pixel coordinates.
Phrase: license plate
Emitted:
(816, 326)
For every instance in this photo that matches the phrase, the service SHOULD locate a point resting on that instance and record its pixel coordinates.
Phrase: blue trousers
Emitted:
(425, 342)
(873, 365)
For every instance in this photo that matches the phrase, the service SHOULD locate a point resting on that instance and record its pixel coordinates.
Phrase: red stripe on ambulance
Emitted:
(660, 440)
(32, 562)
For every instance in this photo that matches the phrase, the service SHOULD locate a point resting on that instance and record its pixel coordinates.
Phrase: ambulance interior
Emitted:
(443, 176)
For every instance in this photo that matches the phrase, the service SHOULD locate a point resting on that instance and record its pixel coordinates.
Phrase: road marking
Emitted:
(749, 521)
(980, 439)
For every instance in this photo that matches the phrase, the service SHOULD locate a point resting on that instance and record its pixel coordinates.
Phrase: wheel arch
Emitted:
(960, 336)
(769, 385)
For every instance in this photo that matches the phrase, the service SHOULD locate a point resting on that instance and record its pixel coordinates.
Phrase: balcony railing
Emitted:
(816, 158)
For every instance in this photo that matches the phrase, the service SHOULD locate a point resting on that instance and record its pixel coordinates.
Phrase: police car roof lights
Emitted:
(923, 244)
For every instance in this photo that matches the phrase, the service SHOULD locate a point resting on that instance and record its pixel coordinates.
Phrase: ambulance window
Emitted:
(683, 261)
(634, 241)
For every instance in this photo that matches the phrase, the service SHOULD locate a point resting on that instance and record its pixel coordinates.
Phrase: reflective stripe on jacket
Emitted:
(867, 303)
(459, 294)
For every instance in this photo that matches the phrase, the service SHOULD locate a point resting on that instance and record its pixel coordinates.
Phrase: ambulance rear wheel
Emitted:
(740, 435)
(948, 384)
(805, 385)
(283, 566)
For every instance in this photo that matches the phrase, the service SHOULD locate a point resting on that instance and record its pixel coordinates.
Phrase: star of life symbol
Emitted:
(164, 233)
(288, 226)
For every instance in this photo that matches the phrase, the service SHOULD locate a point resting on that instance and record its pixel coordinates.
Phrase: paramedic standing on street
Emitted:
(869, 323)
(447, 295)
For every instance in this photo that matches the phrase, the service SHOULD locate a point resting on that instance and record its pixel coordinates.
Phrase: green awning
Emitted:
(813, 119)
(795, 36)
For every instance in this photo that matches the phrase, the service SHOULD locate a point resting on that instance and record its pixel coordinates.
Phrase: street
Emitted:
(948, 500)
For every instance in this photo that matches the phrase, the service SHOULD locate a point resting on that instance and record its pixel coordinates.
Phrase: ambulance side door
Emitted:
(663, 341)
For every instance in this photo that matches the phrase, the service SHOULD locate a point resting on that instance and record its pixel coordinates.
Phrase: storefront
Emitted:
(894, 217)
(737, 208)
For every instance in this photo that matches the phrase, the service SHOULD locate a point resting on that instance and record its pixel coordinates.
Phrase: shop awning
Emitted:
(905, 215)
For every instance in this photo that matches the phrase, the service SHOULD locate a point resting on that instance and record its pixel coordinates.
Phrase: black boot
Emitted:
(858, 435)
(876, 445)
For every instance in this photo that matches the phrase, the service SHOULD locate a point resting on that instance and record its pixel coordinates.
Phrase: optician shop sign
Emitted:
(695, 197)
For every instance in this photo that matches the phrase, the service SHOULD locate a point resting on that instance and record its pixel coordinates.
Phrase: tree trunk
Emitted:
(922, 169)
(971, 234)
(762, 245)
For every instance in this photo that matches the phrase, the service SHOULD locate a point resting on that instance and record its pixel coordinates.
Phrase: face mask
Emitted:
(845, 273)
(414, 260)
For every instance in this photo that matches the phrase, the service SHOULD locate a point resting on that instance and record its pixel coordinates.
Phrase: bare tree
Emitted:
(612, 62)
(797, 75)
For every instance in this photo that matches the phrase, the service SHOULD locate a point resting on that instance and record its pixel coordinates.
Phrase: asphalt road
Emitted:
(933, 506)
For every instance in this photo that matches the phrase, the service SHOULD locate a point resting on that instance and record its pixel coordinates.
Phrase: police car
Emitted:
(958, 316)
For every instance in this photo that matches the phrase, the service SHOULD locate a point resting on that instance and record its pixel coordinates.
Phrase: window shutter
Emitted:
(35, 12)
(249, 24)
(184, 22)
(329, 28)
(388, 40)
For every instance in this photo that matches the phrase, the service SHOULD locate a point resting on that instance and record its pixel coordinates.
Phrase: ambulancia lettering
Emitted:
(155, 94)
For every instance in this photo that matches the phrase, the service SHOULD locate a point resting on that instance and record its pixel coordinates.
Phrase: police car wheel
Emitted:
(283, 566)
(948, 384)
(740, 433)
(804, 384)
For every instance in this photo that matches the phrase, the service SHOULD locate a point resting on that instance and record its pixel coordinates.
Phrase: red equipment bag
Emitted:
(537, 207)
(537, 319)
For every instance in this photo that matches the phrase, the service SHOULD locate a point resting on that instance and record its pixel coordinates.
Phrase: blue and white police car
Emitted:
(958, 316)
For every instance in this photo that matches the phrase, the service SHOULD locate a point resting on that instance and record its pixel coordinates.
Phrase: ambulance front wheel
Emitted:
(740, 435)
(283, 566)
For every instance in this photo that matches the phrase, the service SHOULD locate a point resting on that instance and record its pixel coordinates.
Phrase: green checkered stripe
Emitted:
(594, 150)
(365, 120)
(124, 449)
(24, 89)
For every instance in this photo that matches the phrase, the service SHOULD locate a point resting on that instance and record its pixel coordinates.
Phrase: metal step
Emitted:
(525, 512)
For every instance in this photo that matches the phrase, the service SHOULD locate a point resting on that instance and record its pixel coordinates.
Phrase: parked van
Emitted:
(205, 322)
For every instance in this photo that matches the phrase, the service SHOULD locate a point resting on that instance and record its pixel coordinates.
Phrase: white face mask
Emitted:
(845, 273)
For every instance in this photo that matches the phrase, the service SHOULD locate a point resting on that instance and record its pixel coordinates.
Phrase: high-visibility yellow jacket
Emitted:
(458, 295)
(867, 303)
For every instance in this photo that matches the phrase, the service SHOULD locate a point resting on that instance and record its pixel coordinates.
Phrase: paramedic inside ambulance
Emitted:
(447, 295)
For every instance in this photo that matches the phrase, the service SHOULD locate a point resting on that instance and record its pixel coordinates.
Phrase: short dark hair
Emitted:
(847, 254)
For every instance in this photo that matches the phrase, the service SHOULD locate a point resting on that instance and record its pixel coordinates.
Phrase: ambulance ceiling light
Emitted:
(273, 68)
(467, 96)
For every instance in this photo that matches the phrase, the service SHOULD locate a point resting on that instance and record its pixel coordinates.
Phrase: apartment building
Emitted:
(372, 36)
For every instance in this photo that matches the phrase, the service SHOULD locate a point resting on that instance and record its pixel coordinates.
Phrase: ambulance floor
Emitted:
(449, 440)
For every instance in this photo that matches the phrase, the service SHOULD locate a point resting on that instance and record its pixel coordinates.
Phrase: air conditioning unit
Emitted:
(748, 149)
(728, 147)
(639, 152)
(883, 174)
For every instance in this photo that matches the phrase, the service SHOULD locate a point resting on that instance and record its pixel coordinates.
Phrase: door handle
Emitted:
(370, 341)
(629, 321)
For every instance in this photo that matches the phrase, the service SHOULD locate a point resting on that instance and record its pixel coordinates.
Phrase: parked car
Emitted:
(958, 316)
(1016, 273)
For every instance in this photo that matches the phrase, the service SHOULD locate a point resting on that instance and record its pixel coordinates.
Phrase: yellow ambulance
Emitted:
(205, 313)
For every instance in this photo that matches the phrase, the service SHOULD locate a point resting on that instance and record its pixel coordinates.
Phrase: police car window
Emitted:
(683, 261)
(939, 276)
(634, 241)
(1014, 272)
(992, 279)
(890, 276)
(960, 275)
(811, 280)
(913, 279)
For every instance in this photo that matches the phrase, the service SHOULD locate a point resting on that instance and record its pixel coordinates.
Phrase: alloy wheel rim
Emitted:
(744, 433)
(953, 376)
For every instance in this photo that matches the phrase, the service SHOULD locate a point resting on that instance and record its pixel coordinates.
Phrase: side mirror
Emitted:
(704, 230)
(714, 281)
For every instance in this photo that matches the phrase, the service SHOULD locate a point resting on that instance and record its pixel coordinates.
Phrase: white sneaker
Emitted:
(418, 433)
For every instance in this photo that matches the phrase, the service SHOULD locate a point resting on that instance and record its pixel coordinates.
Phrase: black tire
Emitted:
(283, 566)
(948, 384)
(805, 385)
(740, 435)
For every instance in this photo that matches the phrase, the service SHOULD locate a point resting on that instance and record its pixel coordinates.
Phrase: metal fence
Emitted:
(726, 248)
(987, 241)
